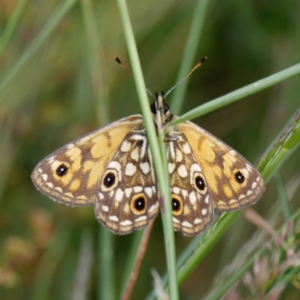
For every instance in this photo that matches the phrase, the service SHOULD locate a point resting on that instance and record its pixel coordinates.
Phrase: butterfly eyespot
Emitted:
(110, 180)
(199, 183)
(138, 204)
(239, 177)
(62, 170)
(177, 206)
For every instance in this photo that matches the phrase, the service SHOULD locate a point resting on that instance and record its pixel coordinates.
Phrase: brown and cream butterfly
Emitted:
(112, 169)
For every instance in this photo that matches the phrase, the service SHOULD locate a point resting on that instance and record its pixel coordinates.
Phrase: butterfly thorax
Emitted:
(160, 111)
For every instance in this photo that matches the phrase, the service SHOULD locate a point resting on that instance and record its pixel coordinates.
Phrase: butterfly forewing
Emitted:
(127, 196)
(71, 174)
(191, 201)
(233, 182)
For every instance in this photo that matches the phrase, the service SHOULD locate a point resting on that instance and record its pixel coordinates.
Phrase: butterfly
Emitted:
(112, 169)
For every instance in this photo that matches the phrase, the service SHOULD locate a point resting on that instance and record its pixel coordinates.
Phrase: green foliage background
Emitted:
(57, 95)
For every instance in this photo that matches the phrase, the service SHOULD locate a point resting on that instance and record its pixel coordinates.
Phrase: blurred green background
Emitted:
(53, 98)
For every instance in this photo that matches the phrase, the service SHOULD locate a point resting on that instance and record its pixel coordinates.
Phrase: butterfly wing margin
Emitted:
(70, 175)
(233, 181)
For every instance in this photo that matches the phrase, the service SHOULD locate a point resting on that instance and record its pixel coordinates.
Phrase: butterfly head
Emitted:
(160, 110)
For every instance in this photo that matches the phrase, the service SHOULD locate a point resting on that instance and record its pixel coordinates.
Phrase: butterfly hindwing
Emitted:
(192, 203)
(127, 196)
(233, 182)
(71, 174)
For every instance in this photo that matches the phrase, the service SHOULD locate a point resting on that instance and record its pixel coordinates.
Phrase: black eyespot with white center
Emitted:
(109, 180)
(62, 170)
(139, 204)
(177, 205)
(239, 177)
(199, 181)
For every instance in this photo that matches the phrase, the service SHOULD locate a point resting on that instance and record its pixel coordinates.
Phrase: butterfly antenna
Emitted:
(117, 59)
(185, 77)
(151, 95)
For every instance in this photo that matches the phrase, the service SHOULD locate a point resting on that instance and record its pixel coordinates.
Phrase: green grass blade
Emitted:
(287, 143)
(238, 94)
(160, 171)
(106, 274)
(12, 25)
(218, 293)
(286, 209)
(37, 43)
(45, 275)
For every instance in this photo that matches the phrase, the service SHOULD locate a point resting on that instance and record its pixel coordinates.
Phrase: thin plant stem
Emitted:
(138, 262)
(160, 171)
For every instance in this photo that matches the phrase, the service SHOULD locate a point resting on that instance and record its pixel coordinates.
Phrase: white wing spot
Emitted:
(49, 184)
(126, 146)
(179, 155)
(171, 167)
(105, 208)
(148, 191)
(258, 179)
(51, 159)
(45, 177)
(101, 196)
(248, 167)
(197, 221)
(171, 150)
(175, 220)
(176, 190)
(154, 189)
(182, 171)
(232, 152)
(135, 154)
(141, 218)
(206, 200)
(186, 148)
(242, 196)
(184, 193)
(204, 211)
(130, 169)
(114, 218)
(69, 195)
(119, 195)
(128, 192)
(254, 184)
(249, 193)
(192, 197)
(137, 189)
(153, 207)
(114, 165)
(40, 170)
(145, 167)
(186, 224)
(59, 189)
(126, 223)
